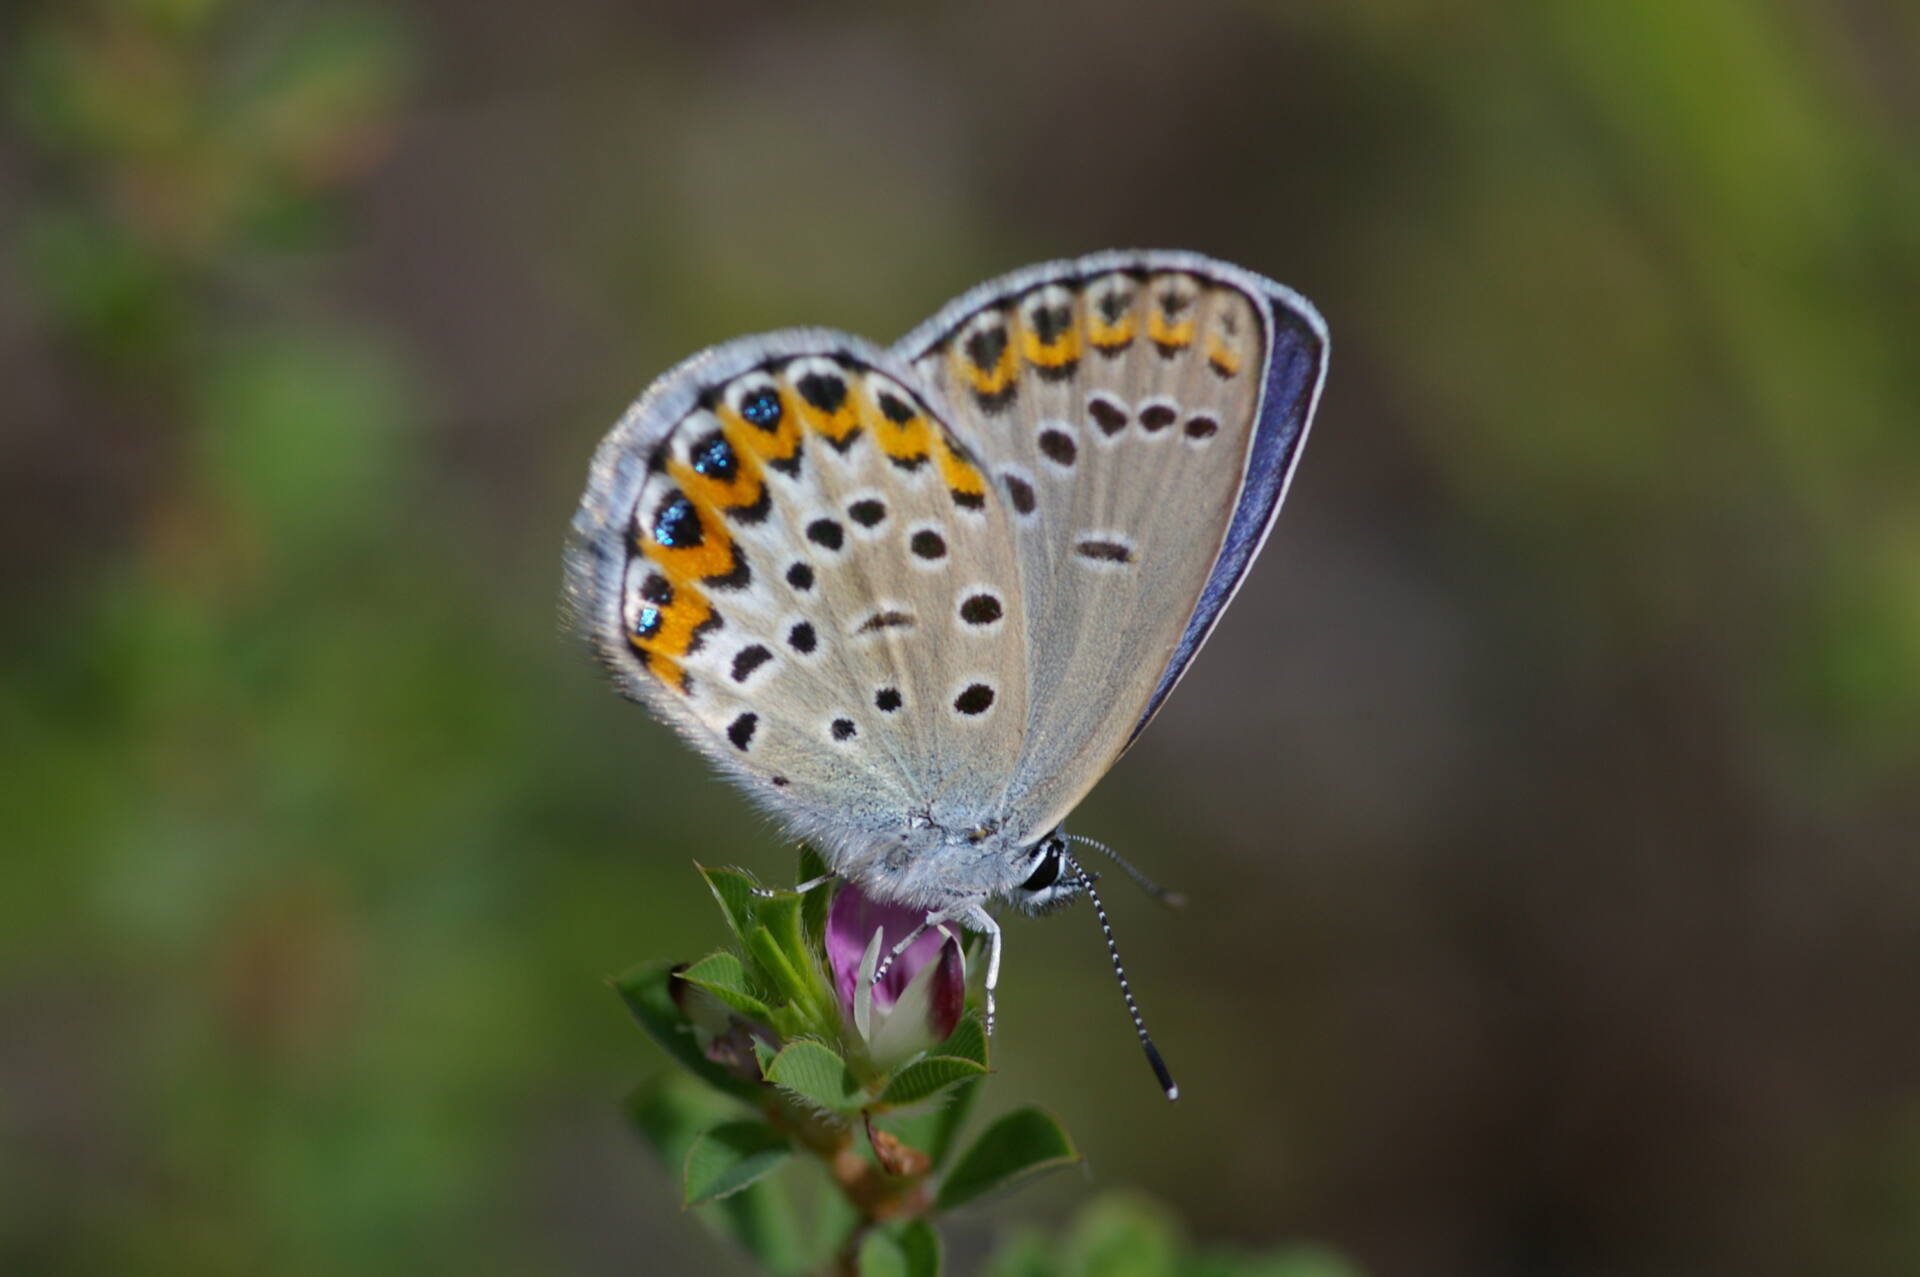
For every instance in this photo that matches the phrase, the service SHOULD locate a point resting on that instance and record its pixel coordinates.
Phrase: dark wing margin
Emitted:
(1296, 371)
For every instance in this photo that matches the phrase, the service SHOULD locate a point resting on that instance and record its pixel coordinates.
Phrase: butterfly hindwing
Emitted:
(786, 553)
(1141, 413)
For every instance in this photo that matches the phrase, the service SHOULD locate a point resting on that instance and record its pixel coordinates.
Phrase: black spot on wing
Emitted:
(974, 699)
(1058, 447)
(886, 620)
(740, 730)
(749, 659)
(675, 523)
(762, 408)
(1020, 492)
(822, 391)
(981, 609)
(985, 346)
(713, 457)
(1104, 551)
(1049, 322)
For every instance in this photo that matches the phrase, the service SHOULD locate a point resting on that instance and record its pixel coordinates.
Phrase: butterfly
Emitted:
(917, 601)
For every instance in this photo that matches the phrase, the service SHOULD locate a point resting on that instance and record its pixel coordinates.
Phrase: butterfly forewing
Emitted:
(787, 553)
(1116, 403)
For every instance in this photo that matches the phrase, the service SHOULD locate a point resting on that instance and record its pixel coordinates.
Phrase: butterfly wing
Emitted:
(1142, 413)
(785, 552)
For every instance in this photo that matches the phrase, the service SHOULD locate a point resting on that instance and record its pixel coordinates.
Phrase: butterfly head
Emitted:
(1053, 878)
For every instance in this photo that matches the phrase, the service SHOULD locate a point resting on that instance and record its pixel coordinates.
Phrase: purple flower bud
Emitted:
(919, 1000)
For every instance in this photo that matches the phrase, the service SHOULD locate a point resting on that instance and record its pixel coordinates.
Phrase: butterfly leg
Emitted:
(906, 942)
(976, 918)
(768, 893)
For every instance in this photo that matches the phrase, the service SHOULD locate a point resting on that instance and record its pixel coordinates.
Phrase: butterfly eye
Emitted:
(1046, 873)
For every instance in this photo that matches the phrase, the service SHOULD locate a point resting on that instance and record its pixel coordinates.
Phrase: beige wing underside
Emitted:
(1114, 408)
(787, 555)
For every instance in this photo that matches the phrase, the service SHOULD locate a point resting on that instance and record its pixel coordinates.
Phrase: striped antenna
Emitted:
(1167, 1083)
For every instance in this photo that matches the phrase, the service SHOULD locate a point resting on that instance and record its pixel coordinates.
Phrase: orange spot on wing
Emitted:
(684, 564)
(708, 490)
(988, 381)
(673, 633)
(906, 441)
(1109, 336)
(961, 477)
(1221, 355)
(1061, 351)
(1161, 333)
(835, 425)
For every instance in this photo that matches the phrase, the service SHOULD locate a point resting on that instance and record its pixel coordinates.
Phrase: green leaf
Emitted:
(928, 1077)
(948, 1119)
(731, 1156)
(777, 966)
(646, 991)
(968, 1041)
(882, 1256)
(671, 1112)
(760, 1219)
(781, 917)
(834, 1219)
(911, 1250)
(734, 890)
(816, 1073)
(933, 1131)
(725, 976)
(920, 1241)
(1025, 1143)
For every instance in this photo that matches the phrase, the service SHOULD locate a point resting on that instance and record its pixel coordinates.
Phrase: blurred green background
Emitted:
(1549, 802)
